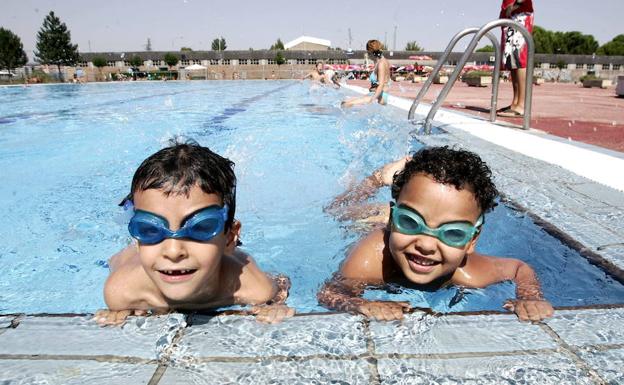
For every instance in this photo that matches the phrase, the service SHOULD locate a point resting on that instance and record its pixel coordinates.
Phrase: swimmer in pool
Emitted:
(184, 255)
(379, 78)
(440, 198)
(317, 74)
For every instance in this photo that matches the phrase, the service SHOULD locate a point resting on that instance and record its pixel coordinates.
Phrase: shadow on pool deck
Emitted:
(589, 115)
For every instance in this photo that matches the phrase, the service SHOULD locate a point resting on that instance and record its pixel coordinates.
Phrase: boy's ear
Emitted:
(473, 243)
(233, 235)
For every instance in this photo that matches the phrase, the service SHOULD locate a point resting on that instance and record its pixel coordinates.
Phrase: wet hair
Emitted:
(182, 165)
(374, 47)
(459, 168)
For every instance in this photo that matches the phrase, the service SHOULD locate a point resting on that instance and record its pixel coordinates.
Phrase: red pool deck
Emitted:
(589, 115)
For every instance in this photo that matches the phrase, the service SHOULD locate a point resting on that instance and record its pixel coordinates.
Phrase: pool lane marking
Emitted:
(601, 168)
(12, 118)
(216, 122)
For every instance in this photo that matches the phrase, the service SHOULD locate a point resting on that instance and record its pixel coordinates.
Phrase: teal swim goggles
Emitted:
(456, 234)
(202, 225)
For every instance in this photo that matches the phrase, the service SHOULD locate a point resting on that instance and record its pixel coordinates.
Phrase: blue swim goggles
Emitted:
(456, 234)
(202, 225)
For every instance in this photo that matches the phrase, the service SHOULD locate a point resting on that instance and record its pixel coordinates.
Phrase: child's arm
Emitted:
(482, 270)
(365, 189)
(265, 293)
(363, 266)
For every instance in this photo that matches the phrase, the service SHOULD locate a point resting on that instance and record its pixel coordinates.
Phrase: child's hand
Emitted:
(384, 310)
(116, 318)
(530, 310)
(385, 175)
(272, 314)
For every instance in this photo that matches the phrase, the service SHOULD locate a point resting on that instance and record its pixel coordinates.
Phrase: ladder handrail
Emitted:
(442, 59)
(473, 43)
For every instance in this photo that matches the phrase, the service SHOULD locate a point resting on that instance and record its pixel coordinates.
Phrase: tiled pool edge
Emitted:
(560, 340)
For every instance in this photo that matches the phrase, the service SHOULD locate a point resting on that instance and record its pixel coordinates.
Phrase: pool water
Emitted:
(68, 153)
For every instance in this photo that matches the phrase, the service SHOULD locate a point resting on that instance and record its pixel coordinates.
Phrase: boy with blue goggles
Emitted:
(203, 268)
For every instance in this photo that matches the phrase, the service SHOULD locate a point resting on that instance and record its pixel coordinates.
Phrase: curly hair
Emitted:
(459, 168)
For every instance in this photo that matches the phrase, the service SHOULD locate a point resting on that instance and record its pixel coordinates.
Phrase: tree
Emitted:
(99, 62)
(278, 45)
(413, 46)
(54, 44)
(12, 53)
(148, 45)
(136, 61)
(219, 44)
(279, 58)
(614, 47)
(487, 48)
(186, 49)
(171, 59)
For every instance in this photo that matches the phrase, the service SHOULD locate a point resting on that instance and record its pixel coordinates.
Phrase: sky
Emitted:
(119, 26)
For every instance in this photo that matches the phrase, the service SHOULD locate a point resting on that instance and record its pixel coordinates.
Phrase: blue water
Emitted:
(68, 152)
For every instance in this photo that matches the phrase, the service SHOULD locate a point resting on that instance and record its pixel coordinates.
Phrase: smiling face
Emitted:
(424, 258)
(183, 270)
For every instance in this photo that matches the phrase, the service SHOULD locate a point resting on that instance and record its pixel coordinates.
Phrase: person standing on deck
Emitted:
(515, 53)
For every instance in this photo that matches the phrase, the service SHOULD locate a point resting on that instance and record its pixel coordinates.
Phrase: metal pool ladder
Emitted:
(479, 33)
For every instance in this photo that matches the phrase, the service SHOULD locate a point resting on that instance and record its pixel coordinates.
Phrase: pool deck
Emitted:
(581, 205)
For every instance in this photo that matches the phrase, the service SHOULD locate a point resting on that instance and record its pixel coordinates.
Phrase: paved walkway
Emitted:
(589, 115)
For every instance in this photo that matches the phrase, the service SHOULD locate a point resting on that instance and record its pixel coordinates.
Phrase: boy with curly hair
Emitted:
(440, 198)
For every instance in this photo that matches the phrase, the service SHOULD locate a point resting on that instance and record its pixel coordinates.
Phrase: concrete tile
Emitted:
(143, 337)
(419, 334)
(607, 363)
(314, 371)
(73, 372)
(5, 322)
(584, 327)
(230, 336)
(540, 369)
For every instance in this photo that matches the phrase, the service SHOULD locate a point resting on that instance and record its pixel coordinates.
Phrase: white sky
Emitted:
(113, 25)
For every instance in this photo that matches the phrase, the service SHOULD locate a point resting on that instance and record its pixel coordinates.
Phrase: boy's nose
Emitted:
(426, 244)
(174, 249)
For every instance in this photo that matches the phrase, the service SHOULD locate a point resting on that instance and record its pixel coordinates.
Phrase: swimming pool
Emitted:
(68, 152)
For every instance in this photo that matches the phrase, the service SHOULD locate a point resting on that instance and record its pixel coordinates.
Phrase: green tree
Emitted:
(279, 58)
(54, 44)
(614, 47)
(413, 46)
(278, 45)
(12, 53)
(99, 62)
(487, 48)
(186, 49)
(171, 59)
(219, 44)
(580, 44)
(136, 61)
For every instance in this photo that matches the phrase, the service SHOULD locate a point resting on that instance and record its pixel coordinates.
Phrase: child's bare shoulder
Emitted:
(127, 287)
(482, 270)
(365, 260)
(256, 287)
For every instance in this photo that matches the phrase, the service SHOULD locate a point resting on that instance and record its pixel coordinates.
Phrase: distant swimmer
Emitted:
(379, 78)
(317, 74)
